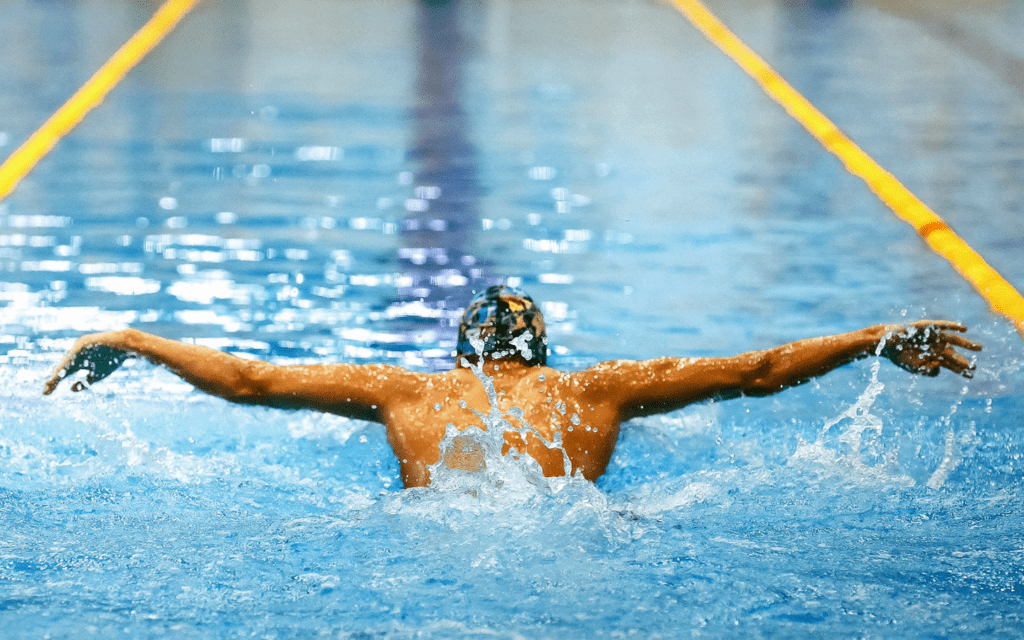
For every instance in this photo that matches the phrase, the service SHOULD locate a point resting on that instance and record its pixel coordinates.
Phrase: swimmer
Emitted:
(502, 335)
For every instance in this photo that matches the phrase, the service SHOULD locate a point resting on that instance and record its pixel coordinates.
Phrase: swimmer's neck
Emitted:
(492, 365)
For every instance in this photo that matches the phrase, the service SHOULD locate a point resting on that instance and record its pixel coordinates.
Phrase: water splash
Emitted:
(861, 420)
(514, 470)
(894, 465)
(952, 453)
(950, 461)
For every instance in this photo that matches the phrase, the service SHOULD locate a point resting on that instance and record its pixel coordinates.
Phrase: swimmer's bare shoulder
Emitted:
(416, 416)
(579, 408)
(540, 400)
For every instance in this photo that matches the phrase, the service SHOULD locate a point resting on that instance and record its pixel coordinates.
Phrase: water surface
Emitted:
(330, 182)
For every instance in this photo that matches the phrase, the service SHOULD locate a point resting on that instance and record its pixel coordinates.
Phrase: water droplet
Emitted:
(437, 406)
(575, 419)
(462, 403)
(541, 377)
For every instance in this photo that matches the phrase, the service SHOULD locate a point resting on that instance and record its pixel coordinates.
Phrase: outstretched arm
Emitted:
(664, 384)
(357, 391)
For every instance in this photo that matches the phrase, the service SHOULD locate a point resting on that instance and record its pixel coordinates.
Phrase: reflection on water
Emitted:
(292, 244)
(419, 168)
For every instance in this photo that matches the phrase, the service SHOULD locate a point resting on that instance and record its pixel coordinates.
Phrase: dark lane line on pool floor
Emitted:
(940, 25)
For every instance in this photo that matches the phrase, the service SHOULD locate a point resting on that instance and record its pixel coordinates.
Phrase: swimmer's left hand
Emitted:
(927, 346)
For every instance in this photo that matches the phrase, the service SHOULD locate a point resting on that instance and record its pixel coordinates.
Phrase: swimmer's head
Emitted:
(504, 324)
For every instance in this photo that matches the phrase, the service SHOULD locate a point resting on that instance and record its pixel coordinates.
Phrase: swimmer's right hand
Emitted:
(927, 346)
(89, 353)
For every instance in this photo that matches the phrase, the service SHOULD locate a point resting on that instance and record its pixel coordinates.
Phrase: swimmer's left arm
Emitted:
(665, 384)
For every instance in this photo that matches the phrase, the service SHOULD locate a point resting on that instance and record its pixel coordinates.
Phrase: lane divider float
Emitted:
(25, 157)
(999, 293)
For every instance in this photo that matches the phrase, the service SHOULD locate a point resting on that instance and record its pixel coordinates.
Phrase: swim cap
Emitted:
(507, 322)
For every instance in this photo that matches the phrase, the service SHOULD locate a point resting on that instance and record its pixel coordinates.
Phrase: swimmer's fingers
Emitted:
(51, 384)
(66, 367)
(926, 332)
(962, 342)
(957, 363)
(947, 344)
(941, 325)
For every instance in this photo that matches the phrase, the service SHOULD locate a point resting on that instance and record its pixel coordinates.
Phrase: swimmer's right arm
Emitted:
(357, 391)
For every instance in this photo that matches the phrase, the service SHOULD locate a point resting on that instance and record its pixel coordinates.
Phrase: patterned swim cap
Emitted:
(507, 323)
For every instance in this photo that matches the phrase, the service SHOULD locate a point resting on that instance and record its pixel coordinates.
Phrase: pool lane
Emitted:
(19, 163)
(598, 109)
(931, 90)
(440, 84)
(999, 293)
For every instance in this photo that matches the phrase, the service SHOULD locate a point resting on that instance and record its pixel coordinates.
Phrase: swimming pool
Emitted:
(330, 181)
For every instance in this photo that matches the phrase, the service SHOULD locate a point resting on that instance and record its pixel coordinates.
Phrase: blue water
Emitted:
(328, 181)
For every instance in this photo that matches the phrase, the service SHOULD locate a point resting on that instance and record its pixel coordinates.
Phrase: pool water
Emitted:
(327, 181)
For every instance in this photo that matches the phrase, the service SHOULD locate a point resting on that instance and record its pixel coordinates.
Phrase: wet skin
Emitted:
(416, 407)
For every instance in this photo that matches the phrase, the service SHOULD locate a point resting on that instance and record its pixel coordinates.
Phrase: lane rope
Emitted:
(25, 157)
(999, 293)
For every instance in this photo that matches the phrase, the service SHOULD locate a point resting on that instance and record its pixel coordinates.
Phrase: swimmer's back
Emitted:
(551, 402)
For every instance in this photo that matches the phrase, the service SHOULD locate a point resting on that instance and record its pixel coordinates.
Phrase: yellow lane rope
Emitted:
(993, 287)
(91, 94)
